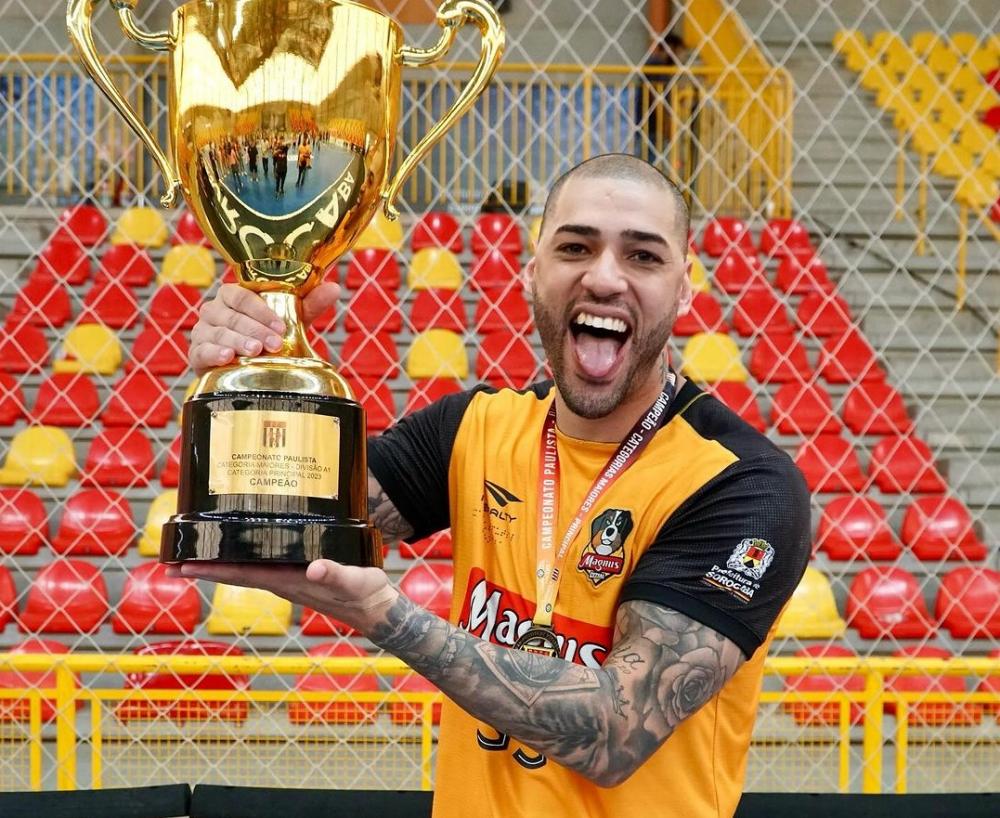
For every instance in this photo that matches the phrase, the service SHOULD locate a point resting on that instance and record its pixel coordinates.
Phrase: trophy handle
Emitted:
(79, 14)
(451, 15)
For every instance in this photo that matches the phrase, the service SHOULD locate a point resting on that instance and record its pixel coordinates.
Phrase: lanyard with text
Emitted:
(548, 573)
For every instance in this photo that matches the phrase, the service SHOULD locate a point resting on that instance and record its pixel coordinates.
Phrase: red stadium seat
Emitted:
(171, 467)
(43, 301)
(375, 396)
(373, 310)
(424, 392)
(968, 603)
(823, 314)
(83, 223)
(875, 408)
(437, 229)
(435, 547)
(8, 597)
(372, 265)
(802, 274)
(188, 231)
(724, 233)
(153, 602)
(992, 118)
(504, 309)
(23, 348)
(781, 237)
(364, 354)
(438, 309)
(139, 399)
(174, 307)
(110, 302)
(429, 585)
(848, 358)
(94, 523)
(941, 528)
(24, 524)
(705, 315)
(12, 406)
(759, 310)
(505, 360)
(159, 351)
(20, 709)
(931, 714)
(129, 264)
(494, 270)
(856, 527)
(886, 601)
(401, 712)
(828, 712)
(830, 463)
(66, 399)
(803, 409)
(904, 463)
(496, 231)
(119, 456)
(739, 270)
(67, 596)
(313, 623)
(66, 260)
(334, 712)
(779, 357)
(738, 397)
(190, 708)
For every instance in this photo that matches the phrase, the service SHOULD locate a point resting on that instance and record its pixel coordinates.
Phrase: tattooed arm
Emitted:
(602, 723)
(384, 514)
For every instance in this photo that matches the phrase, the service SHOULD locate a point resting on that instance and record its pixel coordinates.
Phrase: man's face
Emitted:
(608, 280)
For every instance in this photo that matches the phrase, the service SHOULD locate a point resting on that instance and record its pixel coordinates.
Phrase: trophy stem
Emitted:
(288, 307)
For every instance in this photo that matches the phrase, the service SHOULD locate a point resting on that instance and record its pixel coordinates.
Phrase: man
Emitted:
(692, 531)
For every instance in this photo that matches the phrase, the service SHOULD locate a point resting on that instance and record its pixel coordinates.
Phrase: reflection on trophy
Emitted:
(283, 119)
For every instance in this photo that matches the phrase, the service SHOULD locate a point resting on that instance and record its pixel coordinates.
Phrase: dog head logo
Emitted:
(604, 555)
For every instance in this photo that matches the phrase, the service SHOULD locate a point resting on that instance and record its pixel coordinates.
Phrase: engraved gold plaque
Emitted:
(282, 117)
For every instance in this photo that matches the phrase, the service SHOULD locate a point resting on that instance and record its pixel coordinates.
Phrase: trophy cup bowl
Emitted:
(264, 94)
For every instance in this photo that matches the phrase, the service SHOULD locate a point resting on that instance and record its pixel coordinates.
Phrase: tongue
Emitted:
(596, 355)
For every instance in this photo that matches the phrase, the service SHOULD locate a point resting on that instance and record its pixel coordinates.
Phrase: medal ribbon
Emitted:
(548, 573)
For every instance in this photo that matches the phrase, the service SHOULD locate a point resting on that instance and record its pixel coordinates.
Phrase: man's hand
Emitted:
(358, 597)
(238, 322)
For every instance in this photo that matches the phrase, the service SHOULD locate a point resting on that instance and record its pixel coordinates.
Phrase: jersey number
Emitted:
(501, 741)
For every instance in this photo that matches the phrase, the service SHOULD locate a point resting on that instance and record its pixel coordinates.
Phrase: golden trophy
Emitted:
(273, 461)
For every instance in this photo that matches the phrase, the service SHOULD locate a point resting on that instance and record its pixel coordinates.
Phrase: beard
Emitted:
(584, 401)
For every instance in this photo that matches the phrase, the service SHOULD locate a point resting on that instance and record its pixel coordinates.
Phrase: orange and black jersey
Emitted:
(712, 520)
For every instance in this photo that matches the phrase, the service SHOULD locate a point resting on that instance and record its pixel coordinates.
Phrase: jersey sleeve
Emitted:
(410, 461)
(732, 554)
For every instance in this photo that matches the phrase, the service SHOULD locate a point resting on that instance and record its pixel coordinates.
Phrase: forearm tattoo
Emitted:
(384, 515)
(604, 722)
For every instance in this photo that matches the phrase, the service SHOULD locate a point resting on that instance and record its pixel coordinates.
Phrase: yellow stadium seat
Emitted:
(711, 356)
(160, 509)
(699, 275)
(977, 190)
(811, 613)
(953, 162)
(534, 231)
(942, 60)
(188, 264)
(964, 42)
(39, 456)
(90, 348)
(852, 47)
(381, 234)
(434, 268)
(254, 611)
(437, 353)
(923, 41)
(982, 59)
(143, 226)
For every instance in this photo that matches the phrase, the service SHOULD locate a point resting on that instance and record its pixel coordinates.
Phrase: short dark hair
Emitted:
(632, 169)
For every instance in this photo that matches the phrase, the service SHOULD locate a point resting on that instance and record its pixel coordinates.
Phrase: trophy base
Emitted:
(254, 539)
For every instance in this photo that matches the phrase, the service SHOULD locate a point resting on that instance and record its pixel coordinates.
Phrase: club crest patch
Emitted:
(752, 557)
(604, 555)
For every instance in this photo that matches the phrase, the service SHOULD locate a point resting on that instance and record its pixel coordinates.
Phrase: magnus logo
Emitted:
(496, 499)
(274, 434)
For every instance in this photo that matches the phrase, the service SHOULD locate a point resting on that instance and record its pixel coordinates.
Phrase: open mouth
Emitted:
(599, 343)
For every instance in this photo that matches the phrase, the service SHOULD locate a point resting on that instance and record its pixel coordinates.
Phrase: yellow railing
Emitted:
(859, 745)
(723, 132)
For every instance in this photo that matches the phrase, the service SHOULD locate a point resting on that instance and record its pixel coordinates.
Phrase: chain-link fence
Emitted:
(864, 344)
